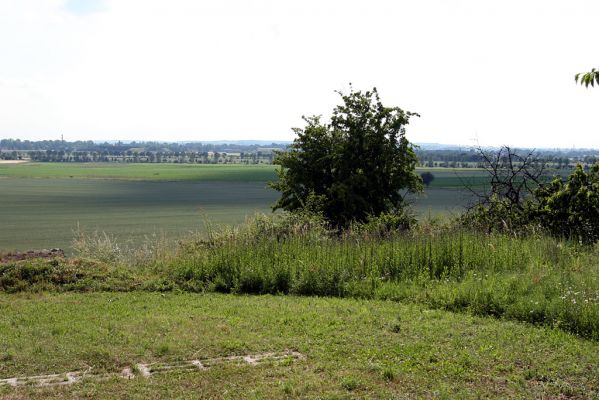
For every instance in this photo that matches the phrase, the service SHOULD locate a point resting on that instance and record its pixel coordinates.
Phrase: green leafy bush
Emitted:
(385, 224)
(498, 215)
(357, 165)
(571, 208)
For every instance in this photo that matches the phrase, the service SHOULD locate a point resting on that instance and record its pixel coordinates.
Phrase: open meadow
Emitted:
(352, 349)
(429, 315)
(276, 306)
(42, 204)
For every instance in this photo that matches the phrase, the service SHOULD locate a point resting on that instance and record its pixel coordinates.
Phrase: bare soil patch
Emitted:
(19, 256)
(13, 161)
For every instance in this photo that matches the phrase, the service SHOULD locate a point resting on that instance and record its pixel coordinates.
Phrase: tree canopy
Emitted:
(354, 167)
(427, 178)
(571, 208)
(588, 78)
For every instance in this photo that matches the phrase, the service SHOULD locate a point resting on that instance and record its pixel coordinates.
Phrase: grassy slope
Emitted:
(355, 348)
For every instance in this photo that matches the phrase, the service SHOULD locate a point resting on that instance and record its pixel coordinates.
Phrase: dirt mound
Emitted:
(18, 256)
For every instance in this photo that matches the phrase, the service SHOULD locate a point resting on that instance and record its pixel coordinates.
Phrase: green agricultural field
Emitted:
(153, 172)
(352, 348)
(42, 203)
(456, 177)
(42, 213)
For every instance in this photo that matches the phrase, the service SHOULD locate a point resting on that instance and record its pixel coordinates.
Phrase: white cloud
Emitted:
(200, 70)
(85, 7)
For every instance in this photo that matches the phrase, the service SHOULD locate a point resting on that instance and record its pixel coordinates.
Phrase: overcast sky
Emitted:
(500, 72)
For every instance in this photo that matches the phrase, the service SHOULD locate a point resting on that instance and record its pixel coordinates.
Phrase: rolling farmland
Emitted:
(43, 203)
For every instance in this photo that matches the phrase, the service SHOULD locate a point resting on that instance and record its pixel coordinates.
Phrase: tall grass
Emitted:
(332, 263)
(104, 247)
(535, 279)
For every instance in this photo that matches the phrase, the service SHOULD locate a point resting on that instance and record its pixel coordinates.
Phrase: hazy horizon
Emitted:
(477, 71)
(265, 142)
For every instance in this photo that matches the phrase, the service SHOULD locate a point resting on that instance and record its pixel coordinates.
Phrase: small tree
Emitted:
(357, 165)
(427, 178)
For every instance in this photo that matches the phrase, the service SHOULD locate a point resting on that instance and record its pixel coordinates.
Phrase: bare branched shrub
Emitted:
(513, 177)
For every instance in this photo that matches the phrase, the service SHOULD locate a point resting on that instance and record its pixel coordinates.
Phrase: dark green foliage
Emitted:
(498, 215)
(427, 177)
(356, 165)
(571, 208)
(588, 78)
(565, 209)
(385, 224)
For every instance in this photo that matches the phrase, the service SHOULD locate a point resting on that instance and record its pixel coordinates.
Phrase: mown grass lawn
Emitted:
(354, 348)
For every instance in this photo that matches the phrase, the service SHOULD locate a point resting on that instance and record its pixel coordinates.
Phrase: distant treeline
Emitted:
(129, 156)
(211, 153)
(123, 147)
(472, 158)
(137, 152)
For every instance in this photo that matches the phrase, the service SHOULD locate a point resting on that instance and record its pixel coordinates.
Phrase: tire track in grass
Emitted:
(148, 370)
